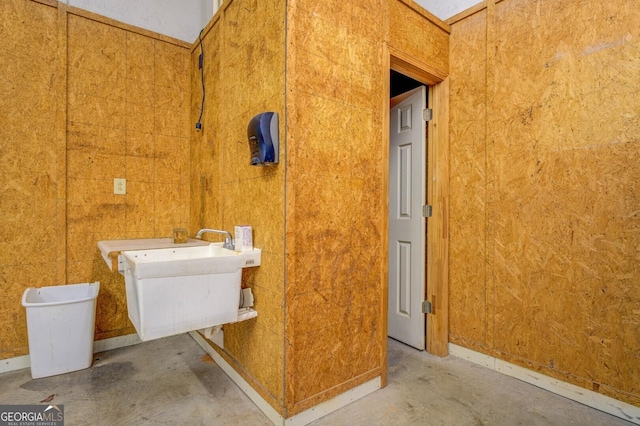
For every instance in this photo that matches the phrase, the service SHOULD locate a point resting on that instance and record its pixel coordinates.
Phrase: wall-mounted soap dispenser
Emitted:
(263, 139)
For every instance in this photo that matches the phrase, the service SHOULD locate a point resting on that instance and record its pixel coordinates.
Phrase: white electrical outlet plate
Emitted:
(119, 186)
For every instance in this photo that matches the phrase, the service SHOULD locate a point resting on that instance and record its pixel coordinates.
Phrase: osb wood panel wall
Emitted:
(544, 189)
(84, 100)
(32, 171)
(127, 117)
(334, 188)
(336, 194)
(430, 49)
(244, 64)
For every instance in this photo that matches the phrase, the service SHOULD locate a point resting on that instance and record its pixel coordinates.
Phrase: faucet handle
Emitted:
(229, 243)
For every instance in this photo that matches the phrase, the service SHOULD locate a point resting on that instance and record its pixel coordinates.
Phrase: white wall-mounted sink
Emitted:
(182, 261)
(180, 289)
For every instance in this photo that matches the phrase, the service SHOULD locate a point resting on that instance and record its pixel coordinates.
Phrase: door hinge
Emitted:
(427, 211)
(426, 307)
(427, 114)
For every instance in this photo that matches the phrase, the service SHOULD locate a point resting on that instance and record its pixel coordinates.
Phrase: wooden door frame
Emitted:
(437, 266)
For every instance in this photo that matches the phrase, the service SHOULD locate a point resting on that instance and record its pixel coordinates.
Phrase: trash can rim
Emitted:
(95, 288)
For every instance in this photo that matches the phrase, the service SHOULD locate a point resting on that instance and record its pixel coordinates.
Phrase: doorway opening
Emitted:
(407, 254)
(406, 73)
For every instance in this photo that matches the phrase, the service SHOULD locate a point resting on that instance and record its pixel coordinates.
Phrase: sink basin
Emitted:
(111, 250)
(175, 290)
(174, 262)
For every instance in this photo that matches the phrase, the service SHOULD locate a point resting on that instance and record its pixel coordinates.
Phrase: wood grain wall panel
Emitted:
(244, 75)
(30, 95)
(96, 46)
(335, 196)
(369, 26)
(561, 189)
(204, 146)
(24, 151)
(467, 301)
(122, 124)
(34, 36)
(551, 127)
(431, 47)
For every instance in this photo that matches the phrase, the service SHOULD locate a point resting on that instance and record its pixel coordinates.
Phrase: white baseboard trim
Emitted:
(116, 342)
(334, 404)
(20, 362)
(276, 418)
(584, 396)
(12, 364)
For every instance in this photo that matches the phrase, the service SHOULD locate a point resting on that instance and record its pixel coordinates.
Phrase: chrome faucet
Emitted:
(228, 241)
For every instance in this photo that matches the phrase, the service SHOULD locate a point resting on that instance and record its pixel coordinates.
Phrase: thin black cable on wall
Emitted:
(201, 65)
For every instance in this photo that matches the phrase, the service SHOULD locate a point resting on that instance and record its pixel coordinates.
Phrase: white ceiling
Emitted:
(179, 19)
(445, 9)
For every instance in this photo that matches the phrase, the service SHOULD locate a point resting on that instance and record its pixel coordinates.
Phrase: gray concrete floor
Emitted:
(172, 381)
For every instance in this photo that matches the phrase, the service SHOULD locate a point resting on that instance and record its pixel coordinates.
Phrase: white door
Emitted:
(407, 195)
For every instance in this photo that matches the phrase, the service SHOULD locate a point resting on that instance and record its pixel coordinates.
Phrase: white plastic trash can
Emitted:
(60, 327)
